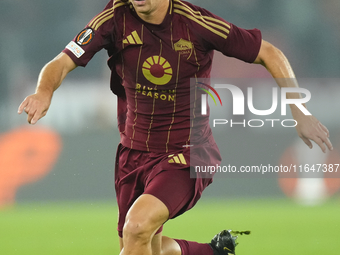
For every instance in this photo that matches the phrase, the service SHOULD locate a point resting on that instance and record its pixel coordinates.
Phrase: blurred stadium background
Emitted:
(56, 178)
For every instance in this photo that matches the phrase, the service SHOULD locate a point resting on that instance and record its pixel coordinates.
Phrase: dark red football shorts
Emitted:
(163, 175)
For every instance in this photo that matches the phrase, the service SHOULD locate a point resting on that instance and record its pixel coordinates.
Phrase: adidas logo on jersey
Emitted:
(179, 159)
(133, 38)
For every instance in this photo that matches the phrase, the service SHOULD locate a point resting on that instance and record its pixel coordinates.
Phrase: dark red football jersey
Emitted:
(154, 63)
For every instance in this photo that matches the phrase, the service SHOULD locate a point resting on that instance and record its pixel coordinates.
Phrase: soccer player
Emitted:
(155, 47)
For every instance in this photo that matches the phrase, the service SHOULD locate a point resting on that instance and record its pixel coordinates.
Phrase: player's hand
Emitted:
(35, 106)
(309, 128)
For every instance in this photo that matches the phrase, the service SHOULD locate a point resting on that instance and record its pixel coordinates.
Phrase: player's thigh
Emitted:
(121, 244)
(175, 189)
(147, 214)
(126, 195)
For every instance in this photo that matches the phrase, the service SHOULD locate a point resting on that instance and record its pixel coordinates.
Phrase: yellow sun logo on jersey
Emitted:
(157, 70)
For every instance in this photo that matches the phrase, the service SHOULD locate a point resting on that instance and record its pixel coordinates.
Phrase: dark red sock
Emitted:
(194, 248)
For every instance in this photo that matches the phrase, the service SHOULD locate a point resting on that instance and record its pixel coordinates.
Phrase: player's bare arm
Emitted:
(308, 127)
(50, 78)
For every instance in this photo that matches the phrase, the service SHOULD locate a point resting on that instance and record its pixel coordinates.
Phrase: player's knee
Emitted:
(139, 231)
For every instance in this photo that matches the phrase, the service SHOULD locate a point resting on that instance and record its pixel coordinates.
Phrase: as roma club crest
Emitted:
(184, 48)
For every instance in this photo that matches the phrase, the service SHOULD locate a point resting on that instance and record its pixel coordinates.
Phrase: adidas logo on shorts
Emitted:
(179, 159)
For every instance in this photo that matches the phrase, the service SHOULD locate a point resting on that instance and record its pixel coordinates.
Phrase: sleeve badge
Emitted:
(85, 36)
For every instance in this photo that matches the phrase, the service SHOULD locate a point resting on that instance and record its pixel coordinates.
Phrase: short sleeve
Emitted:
(232, 41)
(95, 36)
(242, 44)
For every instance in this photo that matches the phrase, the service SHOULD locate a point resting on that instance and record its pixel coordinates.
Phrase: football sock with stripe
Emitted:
(194, 248)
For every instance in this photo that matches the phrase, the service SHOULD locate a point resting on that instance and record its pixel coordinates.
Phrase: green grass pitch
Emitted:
(278, 227)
